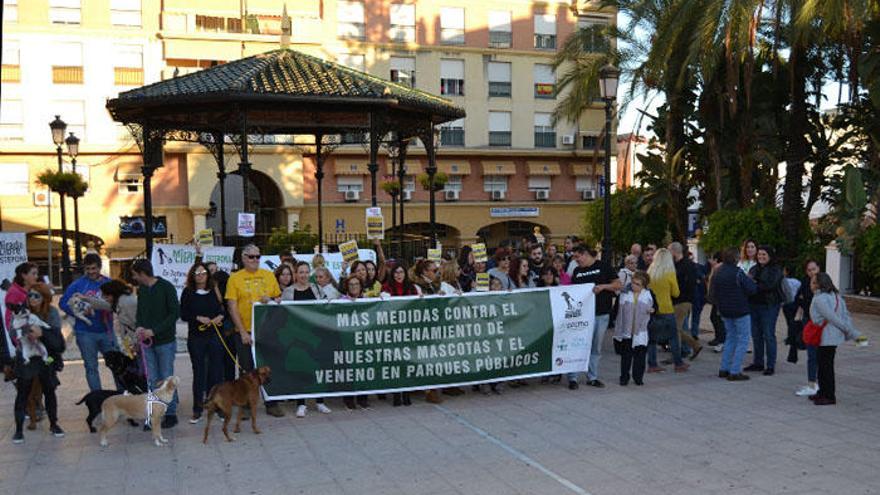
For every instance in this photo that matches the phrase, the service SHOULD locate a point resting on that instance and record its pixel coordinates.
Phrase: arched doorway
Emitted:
(418, 239)
(512, 230)
(264, 199)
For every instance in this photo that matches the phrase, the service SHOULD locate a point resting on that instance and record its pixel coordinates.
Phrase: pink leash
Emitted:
(144, 344)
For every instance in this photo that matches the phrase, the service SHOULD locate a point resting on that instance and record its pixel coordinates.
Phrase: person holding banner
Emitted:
(352, 290)
(424, 275)
(284, 276)
(397, 285)
(201, 307)
(326, 284)
(521, 274)
(247, 286)
(371, 287)
(468, 273)
(558, 264)
(97, 336)
(591, 270)
(449, 277)
(501, 271)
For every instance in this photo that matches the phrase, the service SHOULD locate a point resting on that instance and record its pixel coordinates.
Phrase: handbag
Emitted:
(813, 332)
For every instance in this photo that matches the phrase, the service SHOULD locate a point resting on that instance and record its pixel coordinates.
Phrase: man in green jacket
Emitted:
(157, 312)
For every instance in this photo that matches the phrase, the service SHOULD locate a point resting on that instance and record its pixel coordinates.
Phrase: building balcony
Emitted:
(499, 138)
(451, 137)
(501, 89)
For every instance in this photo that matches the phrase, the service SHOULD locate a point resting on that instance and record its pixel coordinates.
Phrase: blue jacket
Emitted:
(731, 288)
(102, 321)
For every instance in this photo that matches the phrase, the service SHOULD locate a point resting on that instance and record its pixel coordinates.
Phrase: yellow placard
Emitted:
(349, 251)
(482, 282)
(435, 254)
(206, 237)
(479, 250)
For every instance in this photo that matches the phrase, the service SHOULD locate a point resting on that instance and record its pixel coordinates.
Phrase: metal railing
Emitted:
(499, 138)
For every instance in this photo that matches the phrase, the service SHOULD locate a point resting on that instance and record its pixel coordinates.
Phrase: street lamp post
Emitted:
(58, 127)
(609, 76)
(432, 142)
(72, 152)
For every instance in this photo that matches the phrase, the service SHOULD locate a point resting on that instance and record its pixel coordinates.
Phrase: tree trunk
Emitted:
(792, 193)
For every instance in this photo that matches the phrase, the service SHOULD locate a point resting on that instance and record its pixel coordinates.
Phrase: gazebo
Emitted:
(281, 92)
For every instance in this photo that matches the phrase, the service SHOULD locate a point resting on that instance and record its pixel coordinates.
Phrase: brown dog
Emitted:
(242, 392)
(33, 400)
(135, 407)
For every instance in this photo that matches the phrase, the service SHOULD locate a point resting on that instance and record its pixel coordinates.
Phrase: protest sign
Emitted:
(413, 343)
(435, 254)
(482, 282)
(333, 261)
(349, 251)
(479, 250)
(13, 252)
(206, 237)
(247, 224)
(173, 261)
(375, 223)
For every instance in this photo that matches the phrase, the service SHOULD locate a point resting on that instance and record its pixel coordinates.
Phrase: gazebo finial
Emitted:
(285, 28)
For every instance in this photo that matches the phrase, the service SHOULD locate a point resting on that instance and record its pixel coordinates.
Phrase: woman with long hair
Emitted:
(467, 264)
(548, 277)
(352, 290)
(302, 290)
(828, 309)
(26, 276)
(398, 285)
(43, 367)
(519, 274)
(804, 300)
(450, 274)
(371, 287)
(664, 286)
(284, 275)
(558, 263)
(748, 255)
(424, 274)
(118, 297)
(764, 305)
(326, 284)
(201, 307)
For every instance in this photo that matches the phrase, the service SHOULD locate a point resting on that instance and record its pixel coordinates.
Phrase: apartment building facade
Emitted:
(509, 168)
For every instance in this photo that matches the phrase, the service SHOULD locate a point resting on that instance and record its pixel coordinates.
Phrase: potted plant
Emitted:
(67, 183)
(392, 187)
(440, 180)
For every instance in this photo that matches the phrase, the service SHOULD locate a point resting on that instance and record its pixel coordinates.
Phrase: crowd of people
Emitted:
(653, 300)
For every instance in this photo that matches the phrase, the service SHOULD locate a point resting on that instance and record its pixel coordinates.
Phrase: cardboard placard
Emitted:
(375, 223)
(205, 237)
(480, 254)
(482, 282)
(247, 224)
(349, 251)
(435, 255)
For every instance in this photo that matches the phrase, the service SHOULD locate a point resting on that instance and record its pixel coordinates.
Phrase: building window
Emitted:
(403, 23)
(499, 129)
(584, 183)
(545, 135)
(350, 20)
(11, 62)
(353, 60)
(452, 26)
(500, 31)
(409, 183)
(346, 183)
(15, 179)
(539, 183)
(590, 142)
(10, 11)
(67, 67)
(403, 71)
(125, 13)
(596, 39)
(128, 65)
(452, 133)
(65, 11)
(129, 183)
(453, 183)
(499, 79)
(73, 113)
(452, 77)
(11, 121)
(545, 81)
(494, 183)
(545, 31)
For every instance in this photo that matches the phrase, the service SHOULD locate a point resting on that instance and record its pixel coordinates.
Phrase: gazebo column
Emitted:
(429, 140)
(200, 219)
(401, 175)
(152, 156)
(244, 167)
(319, 178)
(373, 166)
(293, 218)
(219, 140)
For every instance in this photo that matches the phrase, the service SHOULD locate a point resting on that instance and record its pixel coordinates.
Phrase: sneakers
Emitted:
(18, 438)
(754, 367)
(739, 377)
(656, 369)
(718, 348)
(596, 383)
(573, 385)
(196, 417)
(861, 341)
(323, 409)
(301, 411)
(807, 391)
(56, 431)
(769, 372)
(274, 410)
(714, 342)
(169, 421)
(723, 374)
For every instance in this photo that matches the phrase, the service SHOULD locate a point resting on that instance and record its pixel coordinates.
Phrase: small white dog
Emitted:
(81, 308)
(22, 321)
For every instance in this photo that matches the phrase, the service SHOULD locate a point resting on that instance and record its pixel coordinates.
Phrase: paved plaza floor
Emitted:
(679, 434)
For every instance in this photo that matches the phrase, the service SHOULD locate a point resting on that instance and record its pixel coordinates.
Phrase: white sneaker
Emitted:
(301, 411)
(324, 409)
(718, 348)
(807, 390)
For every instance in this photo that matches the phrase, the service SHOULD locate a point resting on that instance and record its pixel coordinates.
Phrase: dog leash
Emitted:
(203, 327)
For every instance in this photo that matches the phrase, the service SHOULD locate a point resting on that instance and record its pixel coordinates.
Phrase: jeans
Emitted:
(206, 355)
(736, 343)
(825, 359)
(90, 343)
(812, 364)
(667, 323)
(764, 334)
(696, 313)
(160, 365)
(595, 349)
(717, 324)
(23, 391)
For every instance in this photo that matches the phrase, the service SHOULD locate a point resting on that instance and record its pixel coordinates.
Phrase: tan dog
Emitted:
(242, 392)
(135, 407)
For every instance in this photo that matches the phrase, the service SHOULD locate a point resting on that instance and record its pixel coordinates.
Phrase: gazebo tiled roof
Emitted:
(281, 76)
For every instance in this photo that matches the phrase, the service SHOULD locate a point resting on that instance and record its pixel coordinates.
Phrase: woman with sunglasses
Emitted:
(352, 290)
(42, 368)
(201, 307)
(26, 276)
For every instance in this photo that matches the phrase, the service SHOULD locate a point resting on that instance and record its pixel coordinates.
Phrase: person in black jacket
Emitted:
(201, 307)
(764, 306)
(686, 275)
(730, 290)
(804, 299)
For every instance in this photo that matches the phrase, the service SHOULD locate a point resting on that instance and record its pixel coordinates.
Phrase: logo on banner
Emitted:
(571, 311)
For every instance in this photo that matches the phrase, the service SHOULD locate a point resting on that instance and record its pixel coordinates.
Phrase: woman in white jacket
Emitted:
(631, 328)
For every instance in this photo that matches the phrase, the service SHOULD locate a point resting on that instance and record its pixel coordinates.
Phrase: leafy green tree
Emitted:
(300, 240)
(729, 228)
(628, 224)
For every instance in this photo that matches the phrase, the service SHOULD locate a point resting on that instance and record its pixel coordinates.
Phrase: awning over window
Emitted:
(350, 166)
(454, 167)
(414, 166)
(499, 168)
(582, 169)
(543, 168)
(128, 171)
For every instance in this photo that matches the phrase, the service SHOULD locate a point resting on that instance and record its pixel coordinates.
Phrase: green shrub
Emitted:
(302, 241)
(628, 224)
(729, 228)
(868, 259)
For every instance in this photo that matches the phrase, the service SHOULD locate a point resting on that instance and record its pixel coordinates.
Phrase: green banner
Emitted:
(319, 349)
